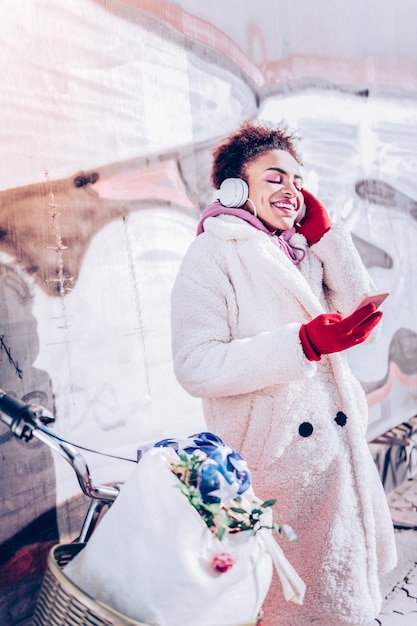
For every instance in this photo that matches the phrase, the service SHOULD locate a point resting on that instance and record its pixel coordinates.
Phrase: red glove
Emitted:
(316, 221)
(331, 332)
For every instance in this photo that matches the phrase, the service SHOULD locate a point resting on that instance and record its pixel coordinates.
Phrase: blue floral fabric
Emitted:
(223, 475)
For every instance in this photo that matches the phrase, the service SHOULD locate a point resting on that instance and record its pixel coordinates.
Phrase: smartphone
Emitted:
(377, 297)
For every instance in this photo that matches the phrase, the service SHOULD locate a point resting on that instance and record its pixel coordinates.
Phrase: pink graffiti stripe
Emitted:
(369, 69)
(160, 182)
(201, 31)
(394, 373)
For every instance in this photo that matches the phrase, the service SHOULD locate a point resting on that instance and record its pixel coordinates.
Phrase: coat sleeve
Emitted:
(345, 276)
(208, 360)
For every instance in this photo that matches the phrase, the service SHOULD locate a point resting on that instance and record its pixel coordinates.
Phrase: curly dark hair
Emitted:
(252, 139)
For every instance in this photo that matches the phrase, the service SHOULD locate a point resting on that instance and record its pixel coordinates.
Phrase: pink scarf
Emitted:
(282, 240)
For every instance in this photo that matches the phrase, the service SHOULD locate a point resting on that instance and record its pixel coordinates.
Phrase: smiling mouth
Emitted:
(284, 206)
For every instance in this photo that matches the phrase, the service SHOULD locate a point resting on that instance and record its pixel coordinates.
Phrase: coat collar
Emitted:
(282, 238)
(266, 257)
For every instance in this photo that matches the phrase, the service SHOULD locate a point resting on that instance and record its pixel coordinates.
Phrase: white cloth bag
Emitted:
(149, 558)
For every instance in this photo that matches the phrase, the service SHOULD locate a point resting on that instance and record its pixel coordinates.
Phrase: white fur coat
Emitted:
(237, 306)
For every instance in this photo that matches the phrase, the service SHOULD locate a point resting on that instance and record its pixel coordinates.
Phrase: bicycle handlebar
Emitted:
(28, 420)
(22, 418)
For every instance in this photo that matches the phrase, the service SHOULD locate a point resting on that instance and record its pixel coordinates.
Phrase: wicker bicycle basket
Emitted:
(62, 603)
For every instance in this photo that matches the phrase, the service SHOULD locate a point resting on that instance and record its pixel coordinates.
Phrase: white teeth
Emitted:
(283, 205)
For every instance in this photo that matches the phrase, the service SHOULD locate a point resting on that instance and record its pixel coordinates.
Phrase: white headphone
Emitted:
(233, 193)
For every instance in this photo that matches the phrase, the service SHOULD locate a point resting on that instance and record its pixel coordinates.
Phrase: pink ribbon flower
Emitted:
(222, 562)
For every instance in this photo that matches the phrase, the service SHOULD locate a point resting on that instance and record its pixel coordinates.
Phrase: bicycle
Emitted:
(60, 601)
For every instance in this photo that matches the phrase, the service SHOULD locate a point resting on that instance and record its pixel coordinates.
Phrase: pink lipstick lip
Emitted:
(288, 208)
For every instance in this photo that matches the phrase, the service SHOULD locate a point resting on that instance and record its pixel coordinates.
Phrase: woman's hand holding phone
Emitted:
(331, 332)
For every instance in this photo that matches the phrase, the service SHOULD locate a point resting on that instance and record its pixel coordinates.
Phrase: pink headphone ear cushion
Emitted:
(301, 214)
(233, 192)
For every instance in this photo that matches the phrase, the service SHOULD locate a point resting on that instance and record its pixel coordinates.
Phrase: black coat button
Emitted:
(305, 429)
(340, 418)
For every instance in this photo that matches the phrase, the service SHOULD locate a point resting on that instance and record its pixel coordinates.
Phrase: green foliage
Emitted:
(232, 516)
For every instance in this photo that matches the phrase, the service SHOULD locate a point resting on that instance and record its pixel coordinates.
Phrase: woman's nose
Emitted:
(289, 189)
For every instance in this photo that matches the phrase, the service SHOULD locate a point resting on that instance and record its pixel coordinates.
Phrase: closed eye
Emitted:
(298, 184)
(297, 180)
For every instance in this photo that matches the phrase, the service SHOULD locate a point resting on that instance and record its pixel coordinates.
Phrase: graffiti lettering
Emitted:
(10, 358)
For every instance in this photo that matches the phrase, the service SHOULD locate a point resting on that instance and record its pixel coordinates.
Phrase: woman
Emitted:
(258, 333)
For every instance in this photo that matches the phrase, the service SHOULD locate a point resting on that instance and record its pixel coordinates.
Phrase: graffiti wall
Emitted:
(109, 112)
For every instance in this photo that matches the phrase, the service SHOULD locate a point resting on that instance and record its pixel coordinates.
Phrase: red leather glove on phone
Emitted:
(316, 221)
(331, 332)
